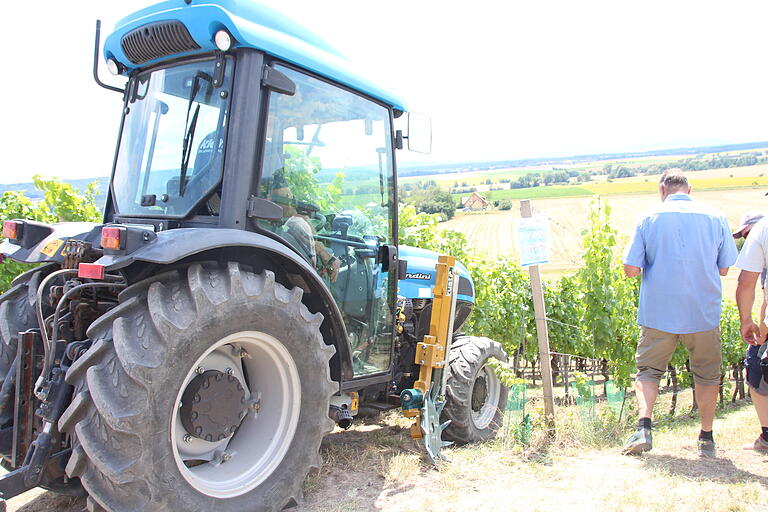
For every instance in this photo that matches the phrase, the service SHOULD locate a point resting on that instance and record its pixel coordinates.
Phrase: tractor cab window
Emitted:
(171, 150)
(327, 161)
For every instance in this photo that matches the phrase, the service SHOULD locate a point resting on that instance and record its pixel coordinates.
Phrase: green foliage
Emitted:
(301, 175)
(433, 200)
(610, 299)
(505, 373)
(583, 385)
(419, 229)
(61, 203)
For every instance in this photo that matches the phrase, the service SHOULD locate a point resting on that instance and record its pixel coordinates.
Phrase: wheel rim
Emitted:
(485, 410)
(241, 462)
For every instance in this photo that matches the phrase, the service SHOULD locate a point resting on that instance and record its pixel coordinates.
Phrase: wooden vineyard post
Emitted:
(542, 334)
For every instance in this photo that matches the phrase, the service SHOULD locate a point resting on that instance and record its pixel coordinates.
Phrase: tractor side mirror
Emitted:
(419, 133)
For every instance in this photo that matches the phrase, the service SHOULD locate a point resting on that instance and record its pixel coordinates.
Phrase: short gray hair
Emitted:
(673, 179)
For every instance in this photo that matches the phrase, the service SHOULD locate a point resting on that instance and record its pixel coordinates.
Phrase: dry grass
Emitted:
(375, 466)
(580, 470)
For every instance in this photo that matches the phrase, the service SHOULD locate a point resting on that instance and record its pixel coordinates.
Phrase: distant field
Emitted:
(494, 234)
(537, 192)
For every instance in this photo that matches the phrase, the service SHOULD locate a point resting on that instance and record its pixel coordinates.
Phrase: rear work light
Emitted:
(13, 229)
(113, 238)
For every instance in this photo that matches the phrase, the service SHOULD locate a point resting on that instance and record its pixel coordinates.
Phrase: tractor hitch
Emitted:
(20, 440)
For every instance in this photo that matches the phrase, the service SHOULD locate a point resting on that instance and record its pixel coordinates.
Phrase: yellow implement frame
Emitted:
(432, 351)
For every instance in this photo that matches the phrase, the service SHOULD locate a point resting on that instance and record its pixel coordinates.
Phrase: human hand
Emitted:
(335, 266)
(750, 333)
(763, 333)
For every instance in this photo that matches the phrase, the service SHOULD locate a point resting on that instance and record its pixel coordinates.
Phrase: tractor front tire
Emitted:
(130, 449)
(475, 396)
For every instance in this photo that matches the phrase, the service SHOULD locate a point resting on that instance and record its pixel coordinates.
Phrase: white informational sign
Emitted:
(533, 240)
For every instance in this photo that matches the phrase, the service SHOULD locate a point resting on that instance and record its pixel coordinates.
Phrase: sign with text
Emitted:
(533, 240)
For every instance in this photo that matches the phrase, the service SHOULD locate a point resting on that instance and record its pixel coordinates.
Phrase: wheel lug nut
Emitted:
(229, 371)
(187, 438)
(199, 369)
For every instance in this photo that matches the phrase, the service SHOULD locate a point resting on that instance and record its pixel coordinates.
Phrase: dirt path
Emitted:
(377, 467)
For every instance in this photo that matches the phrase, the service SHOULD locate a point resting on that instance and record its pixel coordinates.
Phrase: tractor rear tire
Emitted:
(128, 389)
(17, 314)
(475, 395)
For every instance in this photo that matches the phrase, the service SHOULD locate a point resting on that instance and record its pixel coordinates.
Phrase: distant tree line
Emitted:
(687, 164)
(535, 179)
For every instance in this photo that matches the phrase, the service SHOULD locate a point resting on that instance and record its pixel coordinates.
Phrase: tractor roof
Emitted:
(254, 26)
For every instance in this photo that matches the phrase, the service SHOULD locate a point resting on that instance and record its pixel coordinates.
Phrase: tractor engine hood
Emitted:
(419, 281)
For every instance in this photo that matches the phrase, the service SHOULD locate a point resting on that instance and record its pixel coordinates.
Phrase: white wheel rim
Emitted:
(264, 435)
(483, 418)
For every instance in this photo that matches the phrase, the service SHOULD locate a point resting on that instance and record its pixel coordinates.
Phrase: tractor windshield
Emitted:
(328, 162)
(170, 157)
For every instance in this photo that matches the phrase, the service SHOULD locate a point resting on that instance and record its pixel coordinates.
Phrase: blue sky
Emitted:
(500, 79)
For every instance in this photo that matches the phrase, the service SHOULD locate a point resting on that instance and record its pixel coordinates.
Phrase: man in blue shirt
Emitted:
(681, 248)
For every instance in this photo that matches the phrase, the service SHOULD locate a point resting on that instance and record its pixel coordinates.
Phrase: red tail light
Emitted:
(12, 229)
(112, 238)
(90, 271)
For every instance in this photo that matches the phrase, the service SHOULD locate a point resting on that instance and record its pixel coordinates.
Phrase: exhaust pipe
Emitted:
(341, 416)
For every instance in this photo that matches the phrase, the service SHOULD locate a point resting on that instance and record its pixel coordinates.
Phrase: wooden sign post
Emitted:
(542, 333)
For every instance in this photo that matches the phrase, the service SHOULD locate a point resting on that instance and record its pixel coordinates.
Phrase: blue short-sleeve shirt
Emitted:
(681, 245)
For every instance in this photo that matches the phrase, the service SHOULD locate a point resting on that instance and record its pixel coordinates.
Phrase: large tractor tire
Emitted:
(17, 314)
(234, 357)
(475, 396)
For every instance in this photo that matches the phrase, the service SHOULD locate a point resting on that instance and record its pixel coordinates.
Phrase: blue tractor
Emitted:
(245, 292)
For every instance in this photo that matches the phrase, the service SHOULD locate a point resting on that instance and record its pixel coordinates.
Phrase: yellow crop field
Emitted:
(633, 186)
(494, 233)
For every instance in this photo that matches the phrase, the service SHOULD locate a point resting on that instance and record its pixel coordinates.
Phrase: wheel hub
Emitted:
(479, 393)
(213, 404)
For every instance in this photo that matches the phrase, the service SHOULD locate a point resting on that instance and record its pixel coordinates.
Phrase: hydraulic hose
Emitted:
(48, 353)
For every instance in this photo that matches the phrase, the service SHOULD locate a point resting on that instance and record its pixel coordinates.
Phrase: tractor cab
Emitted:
(326, 170)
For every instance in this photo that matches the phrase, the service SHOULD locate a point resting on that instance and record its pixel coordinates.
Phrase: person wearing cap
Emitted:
(752, 262)
(681, 248)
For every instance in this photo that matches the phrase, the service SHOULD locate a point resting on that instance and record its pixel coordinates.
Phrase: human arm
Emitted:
(751, 261)
(745, 299)
(727, 252)
(634, 258)
(763, 325)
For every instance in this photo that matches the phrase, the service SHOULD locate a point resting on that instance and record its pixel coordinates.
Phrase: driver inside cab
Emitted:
(297, 225)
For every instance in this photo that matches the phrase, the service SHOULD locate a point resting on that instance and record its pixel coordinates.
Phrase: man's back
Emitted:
(681, 245)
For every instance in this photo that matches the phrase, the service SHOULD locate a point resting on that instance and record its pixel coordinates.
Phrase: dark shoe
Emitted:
(760, 445)
(706, 448)
(639, 442)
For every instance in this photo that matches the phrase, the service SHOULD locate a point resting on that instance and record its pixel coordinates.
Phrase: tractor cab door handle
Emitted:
(388, 257)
